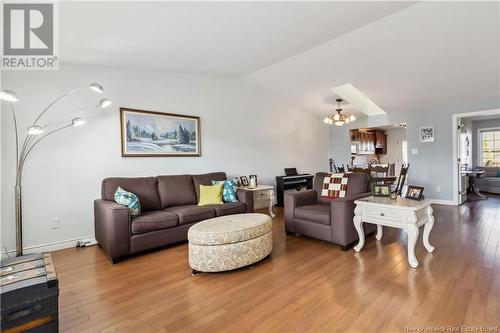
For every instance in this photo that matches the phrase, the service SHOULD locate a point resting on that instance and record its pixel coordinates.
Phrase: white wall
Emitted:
(244, 130)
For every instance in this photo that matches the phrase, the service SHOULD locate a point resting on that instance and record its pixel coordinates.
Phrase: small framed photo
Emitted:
(426, 134)
(244, 181)
(414, 192)
(253, 177)
(381, 190)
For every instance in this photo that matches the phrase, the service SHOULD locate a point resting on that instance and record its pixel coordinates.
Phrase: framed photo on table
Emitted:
(381, 190)
(414, 192)
(244, 181)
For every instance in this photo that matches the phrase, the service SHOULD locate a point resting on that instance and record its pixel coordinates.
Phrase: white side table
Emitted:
(405, 214)
(263, 196)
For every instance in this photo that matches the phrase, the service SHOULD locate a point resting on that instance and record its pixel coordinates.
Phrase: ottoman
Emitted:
(229, 242)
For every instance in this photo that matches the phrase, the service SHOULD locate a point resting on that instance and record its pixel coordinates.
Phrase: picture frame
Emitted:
(252, 177)
(159, 134)
(244, 181)
(414, 192)
(381, 190)
(426, 134)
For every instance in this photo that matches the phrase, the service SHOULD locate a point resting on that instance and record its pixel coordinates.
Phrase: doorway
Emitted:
(473, 149)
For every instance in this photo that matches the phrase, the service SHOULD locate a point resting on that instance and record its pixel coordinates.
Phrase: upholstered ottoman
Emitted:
(229, 242)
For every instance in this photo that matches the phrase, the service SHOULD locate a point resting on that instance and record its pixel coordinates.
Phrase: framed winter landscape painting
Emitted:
(148, 133)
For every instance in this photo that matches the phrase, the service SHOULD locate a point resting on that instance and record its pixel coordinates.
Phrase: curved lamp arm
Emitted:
(24, 155)
(50, 123)
(16, 133)
(55, 101)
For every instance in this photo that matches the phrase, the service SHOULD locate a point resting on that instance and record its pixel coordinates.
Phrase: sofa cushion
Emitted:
(319, 213)
(176, 190)
(206, 179)
(191, 213)
(145, 188)
(491, 171)
(154, 220)
(229, 208)
(487, 181)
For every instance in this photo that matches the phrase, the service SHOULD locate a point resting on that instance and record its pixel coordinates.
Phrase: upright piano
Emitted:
(291, 180)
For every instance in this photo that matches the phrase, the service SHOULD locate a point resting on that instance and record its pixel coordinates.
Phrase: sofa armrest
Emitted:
(112, 227)
(247, 198)
(294, 200)
(341, 218)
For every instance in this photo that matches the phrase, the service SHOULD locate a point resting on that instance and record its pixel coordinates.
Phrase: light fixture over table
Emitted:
(339, 119)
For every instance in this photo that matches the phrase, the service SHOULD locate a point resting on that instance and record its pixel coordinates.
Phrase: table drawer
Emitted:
(264, 194)
(382, 213)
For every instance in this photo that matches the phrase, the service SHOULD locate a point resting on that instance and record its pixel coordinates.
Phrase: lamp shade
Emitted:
(8, 95)
(104, 103)
(96, 87)
(35, 130)
(78, 121)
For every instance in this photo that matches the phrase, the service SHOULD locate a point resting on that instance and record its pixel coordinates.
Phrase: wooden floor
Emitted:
(304, 286)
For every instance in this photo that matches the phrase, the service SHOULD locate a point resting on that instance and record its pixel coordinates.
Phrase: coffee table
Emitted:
(401, 213)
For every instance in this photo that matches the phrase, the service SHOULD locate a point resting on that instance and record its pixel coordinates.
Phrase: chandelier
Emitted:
(339, 119)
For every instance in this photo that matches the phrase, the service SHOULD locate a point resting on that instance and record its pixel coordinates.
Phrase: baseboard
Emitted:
(443, 202)
(60, 245)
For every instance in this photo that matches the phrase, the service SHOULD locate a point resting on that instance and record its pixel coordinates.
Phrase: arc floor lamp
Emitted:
(34, 135)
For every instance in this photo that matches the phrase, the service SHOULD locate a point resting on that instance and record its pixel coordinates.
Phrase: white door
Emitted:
(462, 180)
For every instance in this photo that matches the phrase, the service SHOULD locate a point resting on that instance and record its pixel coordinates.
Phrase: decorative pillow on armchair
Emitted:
(229, 190)
(128, 199)
(335, 185)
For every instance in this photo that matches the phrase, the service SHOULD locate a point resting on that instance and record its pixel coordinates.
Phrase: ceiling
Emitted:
(429, 56)
(218, 38)
(403, 56)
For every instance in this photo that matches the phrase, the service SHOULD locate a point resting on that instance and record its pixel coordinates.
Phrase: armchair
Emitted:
(308, 214)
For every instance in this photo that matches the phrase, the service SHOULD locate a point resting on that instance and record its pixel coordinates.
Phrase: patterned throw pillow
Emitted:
(229, 192)
(128, 199)
(335, 186)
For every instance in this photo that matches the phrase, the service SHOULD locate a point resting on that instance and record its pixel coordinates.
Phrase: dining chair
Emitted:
(402, 178)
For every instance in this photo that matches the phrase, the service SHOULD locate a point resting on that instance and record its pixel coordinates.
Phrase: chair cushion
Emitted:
(230, 208)
(145, 188)
(206, 179)
(191, 213)
(319, 213)
(177, 190)
(153, 220)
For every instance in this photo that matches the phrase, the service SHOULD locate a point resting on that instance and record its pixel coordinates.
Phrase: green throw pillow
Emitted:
(229, 190)
(128, 199)
(211, 195)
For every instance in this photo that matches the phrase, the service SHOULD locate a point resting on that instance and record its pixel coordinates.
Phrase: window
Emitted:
(489, 147)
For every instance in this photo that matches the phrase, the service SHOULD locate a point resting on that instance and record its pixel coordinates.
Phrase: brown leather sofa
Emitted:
(307, 213)
(168, 210)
